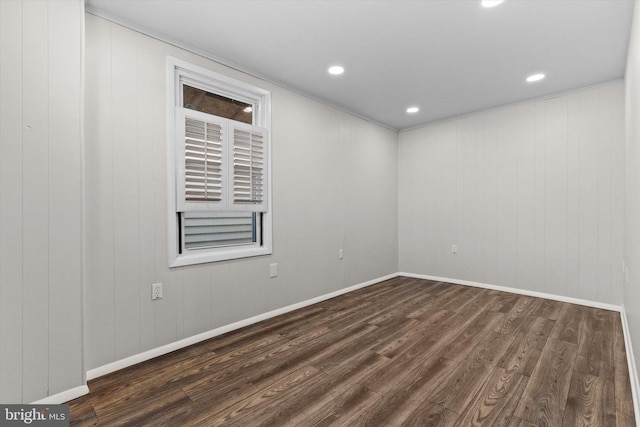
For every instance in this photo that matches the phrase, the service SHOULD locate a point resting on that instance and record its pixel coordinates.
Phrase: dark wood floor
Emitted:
(403, 352)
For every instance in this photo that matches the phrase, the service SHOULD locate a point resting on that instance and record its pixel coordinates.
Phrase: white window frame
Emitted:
(179, 72)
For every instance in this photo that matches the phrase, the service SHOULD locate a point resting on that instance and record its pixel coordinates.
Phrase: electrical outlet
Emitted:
(454, 249)
(156, 291)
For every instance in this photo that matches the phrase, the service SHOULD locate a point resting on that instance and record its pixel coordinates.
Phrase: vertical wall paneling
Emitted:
(489, 177)
(617, 190)
(65, 196)
(167, 312)
(11, 304)
(35, 201)
(99, 195)
(146, 213)
(589, 196)
(525, 200)
(605, 191)
(631, 286)
(574, 143)
(197, 300)
(555, 194)
(538, 205)
(448, 142)
(539, 170)
(125, 191)
(506, 205)
(41, 346)
(315, 148)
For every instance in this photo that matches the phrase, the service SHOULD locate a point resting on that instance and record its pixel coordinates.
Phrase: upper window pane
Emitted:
(210, 103)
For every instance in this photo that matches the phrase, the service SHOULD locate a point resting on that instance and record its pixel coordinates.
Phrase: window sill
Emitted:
(218, 255)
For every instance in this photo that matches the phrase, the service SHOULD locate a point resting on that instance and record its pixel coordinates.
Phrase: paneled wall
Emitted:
(632, 186)
(334, 186)
(40, 198)
(531, 194)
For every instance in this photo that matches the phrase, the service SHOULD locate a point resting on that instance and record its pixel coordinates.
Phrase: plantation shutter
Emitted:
(249, 167)
(221, 164)
(201, 161)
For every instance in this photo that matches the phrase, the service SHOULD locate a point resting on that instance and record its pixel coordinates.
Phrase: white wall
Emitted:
(532, 195)
(632, 185)
(334, 186)
(40, 198)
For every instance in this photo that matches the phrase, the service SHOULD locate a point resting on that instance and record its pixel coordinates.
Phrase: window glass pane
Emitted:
(215, 229)
(210, 103)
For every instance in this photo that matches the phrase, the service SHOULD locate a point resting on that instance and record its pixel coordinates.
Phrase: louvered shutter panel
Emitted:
(213, 229)
(201, 166)
(248, 169)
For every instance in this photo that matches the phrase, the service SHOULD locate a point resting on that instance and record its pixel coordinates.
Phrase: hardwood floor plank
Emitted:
(471, 309)
(264, 374)
(624, 420)
(346, 406)
(320, 401)
(408, 336)
(218, 380)
(624, 401)
(332, 360)
(548, 309)
(590, 402)
(459, 389)
(164, 365)
(543, 400)
(457, 301)
(518, 422)
(386, 355)
(496, 401)
(524, 353)
(435, 316)
(475, 331)
(139, 407)
(253, 409)
(410, 357)
(82, 413)
(430, 415)
(504, 302)
(514, 318)
(399, 308)
(437, 300)
(568, 326)
(409, 393)
(595, 345)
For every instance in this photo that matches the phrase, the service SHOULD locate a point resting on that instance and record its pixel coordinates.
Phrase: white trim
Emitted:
(261, 99)
(570, 300)
(631, 363)
(168, 348)
(64, 396)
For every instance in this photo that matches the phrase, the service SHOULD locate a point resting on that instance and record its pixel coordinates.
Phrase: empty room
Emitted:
(306, 213)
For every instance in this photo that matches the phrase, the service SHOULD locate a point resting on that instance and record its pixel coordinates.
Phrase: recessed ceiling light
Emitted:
(336, 70)
(535, 77)
(412, 110)
(491, 3)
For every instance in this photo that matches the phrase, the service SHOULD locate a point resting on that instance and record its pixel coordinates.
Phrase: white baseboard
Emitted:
(168, 348)
(631, 363)
(64, 396)
(571, 300)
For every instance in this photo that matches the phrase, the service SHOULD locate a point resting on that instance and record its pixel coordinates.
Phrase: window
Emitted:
(218, 140)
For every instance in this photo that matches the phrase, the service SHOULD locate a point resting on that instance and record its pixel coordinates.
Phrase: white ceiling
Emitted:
(449, 57)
